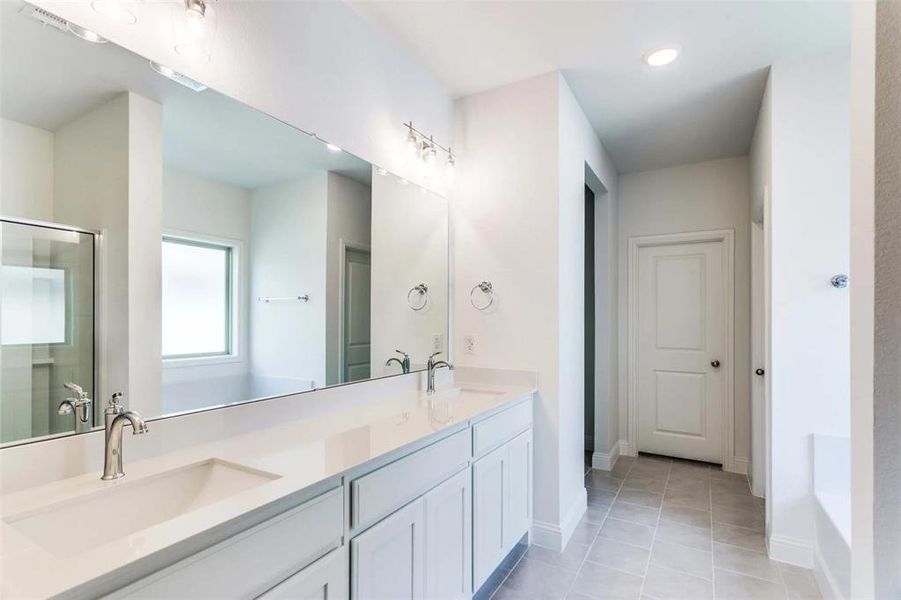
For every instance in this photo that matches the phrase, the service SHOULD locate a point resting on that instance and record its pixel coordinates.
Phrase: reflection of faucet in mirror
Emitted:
(404, 364)
(115, 420)
(80, 404)
(432, 366)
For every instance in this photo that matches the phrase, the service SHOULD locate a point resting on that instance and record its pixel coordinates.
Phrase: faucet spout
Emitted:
(116, 421)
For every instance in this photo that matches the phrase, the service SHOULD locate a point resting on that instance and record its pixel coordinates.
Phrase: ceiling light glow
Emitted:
(86, 34)
(661, 57)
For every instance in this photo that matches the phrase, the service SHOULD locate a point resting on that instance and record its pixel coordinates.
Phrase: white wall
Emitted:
(26, 171)
(517, 213)
(287, 258)
(697, 197)
(807, 228)
(319, 66)
(862, 294)
(409, 247)
(349, 220)
(197, 205)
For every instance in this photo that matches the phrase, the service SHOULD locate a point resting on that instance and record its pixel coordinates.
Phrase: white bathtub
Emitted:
(832, 494)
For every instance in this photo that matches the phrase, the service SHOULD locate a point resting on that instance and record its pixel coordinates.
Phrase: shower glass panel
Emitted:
(46, 328)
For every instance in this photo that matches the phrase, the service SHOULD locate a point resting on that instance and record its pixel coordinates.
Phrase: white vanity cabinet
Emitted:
(325, 579)
(501, 500)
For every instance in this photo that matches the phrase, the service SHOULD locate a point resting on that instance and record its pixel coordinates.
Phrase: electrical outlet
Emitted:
(436, 342)
(469, 344)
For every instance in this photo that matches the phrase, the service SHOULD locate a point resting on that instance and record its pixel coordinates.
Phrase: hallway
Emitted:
(664, 529)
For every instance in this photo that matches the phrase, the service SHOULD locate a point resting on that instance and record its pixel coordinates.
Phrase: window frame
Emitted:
(233, 299)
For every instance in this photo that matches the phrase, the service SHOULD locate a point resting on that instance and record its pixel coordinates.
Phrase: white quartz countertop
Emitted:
(299, 454)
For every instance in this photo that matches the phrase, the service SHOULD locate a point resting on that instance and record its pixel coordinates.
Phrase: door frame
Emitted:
(343, 247)
(727, 237)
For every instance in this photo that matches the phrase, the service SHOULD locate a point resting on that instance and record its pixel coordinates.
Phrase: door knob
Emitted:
(715, 364)
(759, 372)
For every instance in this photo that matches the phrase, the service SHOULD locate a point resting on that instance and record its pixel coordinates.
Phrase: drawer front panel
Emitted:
(378, 493)
(497, 429)
(251, 562)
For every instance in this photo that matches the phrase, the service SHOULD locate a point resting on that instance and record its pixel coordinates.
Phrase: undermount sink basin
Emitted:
(70, 527)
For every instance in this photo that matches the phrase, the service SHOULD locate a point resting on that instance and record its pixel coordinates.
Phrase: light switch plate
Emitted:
(469, 344)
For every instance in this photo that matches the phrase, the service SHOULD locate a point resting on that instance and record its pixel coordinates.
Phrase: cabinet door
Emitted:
(387, 560)
(448, 533)
(325, 579)
(519, 488)
(489, 480)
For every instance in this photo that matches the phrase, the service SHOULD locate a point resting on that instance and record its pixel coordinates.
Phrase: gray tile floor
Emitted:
(660, 528)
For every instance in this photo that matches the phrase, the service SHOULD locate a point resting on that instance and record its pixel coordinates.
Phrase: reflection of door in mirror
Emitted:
(356, 315)
(46, 328)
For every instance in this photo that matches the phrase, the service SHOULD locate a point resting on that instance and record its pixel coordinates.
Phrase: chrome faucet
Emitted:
(80, 404)
(433, 365)
(115, 419)
(403, 364)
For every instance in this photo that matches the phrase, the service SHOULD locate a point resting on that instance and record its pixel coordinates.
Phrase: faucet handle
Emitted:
(433, 355)
(401, 352)
(114, 407)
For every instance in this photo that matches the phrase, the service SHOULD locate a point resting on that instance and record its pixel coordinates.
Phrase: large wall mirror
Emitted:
(166, 241)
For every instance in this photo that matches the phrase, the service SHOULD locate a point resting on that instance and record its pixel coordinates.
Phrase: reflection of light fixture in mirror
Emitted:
(177, 77)
(404, 182)
(381, 171)
(85, 34)
(194, 25)
(332, 147)
(114, 11)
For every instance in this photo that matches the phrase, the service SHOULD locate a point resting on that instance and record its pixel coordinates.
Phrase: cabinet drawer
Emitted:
(325, 579)
(497, 429)
(378, 493)
(251, 562)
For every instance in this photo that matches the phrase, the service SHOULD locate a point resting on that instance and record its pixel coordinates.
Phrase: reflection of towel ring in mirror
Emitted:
(423, 291)
(487, 289)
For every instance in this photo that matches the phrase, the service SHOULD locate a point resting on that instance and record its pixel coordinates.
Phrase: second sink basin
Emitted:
(95, 519)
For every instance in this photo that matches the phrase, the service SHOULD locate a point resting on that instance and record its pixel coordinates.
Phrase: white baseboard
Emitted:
(605, 460)
(790, 550)
(626, 449)
(739, 465)
(829, 587)
(555, 537)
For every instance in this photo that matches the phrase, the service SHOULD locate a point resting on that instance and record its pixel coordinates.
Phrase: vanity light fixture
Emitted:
(661, 57)
(194, 25)
(426, 148)
(114, 11)
(86, 34)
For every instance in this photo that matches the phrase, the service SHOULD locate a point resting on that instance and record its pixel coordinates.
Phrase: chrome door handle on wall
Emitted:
(715, 364)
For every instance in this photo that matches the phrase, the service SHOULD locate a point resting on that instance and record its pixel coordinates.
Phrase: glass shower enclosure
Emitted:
(47, 319)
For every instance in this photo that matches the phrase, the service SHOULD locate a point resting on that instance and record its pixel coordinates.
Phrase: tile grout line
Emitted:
(597, 535)
(647, 565)
(712, 541)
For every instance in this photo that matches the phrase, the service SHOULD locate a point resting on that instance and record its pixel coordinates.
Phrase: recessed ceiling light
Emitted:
(177, 77)
(333, 147)
(661, 57)
(86, 34)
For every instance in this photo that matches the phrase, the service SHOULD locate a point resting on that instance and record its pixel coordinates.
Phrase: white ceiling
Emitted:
(703, 106)
(48, 78)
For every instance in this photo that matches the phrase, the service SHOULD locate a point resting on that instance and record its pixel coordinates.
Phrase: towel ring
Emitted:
(487, 289)
(423, 291)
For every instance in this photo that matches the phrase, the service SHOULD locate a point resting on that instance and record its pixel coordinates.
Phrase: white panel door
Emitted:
(519, 488)
(388, 558)
(681, 347)
(357, 296)
(325, 579)
(448, 539)
(490, 514)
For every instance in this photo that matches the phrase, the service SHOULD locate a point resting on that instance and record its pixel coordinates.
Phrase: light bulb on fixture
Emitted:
(114, 11)
(194, 25)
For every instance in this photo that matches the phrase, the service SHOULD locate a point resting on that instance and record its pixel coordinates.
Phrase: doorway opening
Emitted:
(590, 329)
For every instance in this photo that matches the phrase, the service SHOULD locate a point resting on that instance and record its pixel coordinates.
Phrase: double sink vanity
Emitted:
(413, 495)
